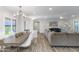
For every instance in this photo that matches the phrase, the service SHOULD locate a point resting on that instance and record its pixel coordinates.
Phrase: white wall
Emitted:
(29, 24)
(3, 13)
(43, 24)
(66, 24)
(20, 23)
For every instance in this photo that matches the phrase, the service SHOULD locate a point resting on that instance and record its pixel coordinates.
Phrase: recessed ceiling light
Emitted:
(50, 9)
(61, 17)
(73, 15)
(33, 18)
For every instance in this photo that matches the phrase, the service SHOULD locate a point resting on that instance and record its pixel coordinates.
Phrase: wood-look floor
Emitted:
(40, 44)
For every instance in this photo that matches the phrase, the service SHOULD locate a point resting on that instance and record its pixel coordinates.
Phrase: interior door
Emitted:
(36, 25)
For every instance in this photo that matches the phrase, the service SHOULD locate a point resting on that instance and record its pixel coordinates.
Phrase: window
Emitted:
(1, 29)
(7, 26)
(14, 25)
(76, 26)
(10, 26)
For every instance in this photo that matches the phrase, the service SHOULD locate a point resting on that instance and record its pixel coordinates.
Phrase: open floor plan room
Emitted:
(39, 28)
(40, 44)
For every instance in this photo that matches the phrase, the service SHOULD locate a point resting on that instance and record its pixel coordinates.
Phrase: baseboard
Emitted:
(66, 46)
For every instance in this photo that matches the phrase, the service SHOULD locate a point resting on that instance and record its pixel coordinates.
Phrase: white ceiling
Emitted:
(65, 11)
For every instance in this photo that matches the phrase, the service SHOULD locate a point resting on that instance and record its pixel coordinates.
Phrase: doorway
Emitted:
(36, 26)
